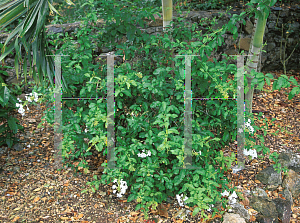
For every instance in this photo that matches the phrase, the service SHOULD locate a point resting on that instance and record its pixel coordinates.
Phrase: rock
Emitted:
(292, 161)
(18, 147)
(245, 43)
(264, 206)
(283, 208)
(292, 182)
(240, 210)
(22, 97)
(258, 192)
(248, 27)
(233, 218)
(269, 176)
(287, 194)
(284, 159)
(266, 219)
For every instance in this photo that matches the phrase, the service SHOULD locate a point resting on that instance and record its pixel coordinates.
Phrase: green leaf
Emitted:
(294, 91)
(15, 12)
(69, 2)
(226, 136)
(35, 76)
(138, 206)
(270, 76)
(25, 69)
(29, 20)
(127, 92)
(12, 124)
(140, 179)
(173, 131)
(82, 92)
(179, 178)
(77, 127)
(164, 105)
(17, 65)
(268, 81)
(119, 104)
(53, 9)
(195, 177)
(6, 95)
(207, 199)
(196, 211)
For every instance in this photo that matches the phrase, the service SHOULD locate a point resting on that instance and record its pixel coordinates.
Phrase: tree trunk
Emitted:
(167, 8)
(255, 50)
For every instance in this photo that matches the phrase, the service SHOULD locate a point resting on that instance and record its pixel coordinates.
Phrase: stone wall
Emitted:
(270, 59)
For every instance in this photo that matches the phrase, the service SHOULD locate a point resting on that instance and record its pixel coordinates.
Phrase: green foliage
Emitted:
(9, 127)
(8, 102)
(151, 91)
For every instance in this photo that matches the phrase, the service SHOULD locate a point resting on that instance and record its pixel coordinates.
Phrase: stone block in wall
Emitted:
(248, 28)
(295, 25)
(271, 46)
(244, 43)
(158, 21)
(231, 52)
(271, 24)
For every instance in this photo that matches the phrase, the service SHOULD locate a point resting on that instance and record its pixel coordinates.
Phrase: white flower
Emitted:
(225, 193)
(251, 152)
(209, 208)
(144, 154)
(179, 197)
(123, 186)
(247, 124)
(20, 106)
(232, 198)
(35, 97)
(28, 99)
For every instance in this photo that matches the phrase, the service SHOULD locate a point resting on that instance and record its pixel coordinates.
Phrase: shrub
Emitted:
(152, 91)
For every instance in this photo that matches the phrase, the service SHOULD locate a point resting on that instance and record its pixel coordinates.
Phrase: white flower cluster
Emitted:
(248, 125)
(231, 198)
(251, 152)
(20, 106)
(179, 199)
(123, 186)
(144, 154)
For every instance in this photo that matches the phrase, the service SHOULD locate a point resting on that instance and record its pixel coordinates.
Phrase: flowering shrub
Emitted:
(149, 143)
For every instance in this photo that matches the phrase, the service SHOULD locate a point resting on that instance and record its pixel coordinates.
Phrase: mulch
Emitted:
(32, 190)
